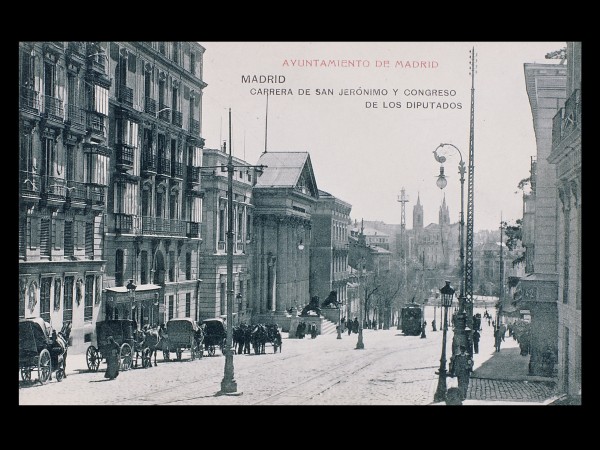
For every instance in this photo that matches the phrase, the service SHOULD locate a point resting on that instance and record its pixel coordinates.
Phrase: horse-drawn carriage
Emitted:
(123, 332)
(42, 350)
(183, 334)
(215, 334)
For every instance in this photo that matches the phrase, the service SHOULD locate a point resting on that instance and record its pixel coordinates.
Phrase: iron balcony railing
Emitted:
(567, 118)
(177, 169)
(126, 95)
(75, 116)
(150, 105)
(54, 187)
(95, 123)
(96, 194)
(164, 114)
(194, 127)
(76, 191)
(29, 99)
(177, 118)
(30, 183)
(193, 174)
(53, 107)
(124, 154)
(125, 223)
(148, 160)
(162, 226)
(193, 229)
(164, 166)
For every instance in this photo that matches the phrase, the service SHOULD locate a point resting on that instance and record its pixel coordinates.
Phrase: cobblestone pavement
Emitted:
(486, 389)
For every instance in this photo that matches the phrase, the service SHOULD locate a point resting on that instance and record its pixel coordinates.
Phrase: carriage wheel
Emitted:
(44, 366)
(211, 350)
(125, 357)
(60, 374)
(146, 358)
(25, 374)
(178, 353)
(92, 358)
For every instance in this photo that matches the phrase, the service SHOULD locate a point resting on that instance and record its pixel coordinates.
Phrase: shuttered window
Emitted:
(68, 299)
(95, 169)
(126, 195)
(68, 236)
(45, 237)
(100, 100)
(89, 240)
(188, 304)
(88, 311)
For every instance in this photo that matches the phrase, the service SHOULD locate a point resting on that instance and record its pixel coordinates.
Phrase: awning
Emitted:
(143, 292)
(140, 288)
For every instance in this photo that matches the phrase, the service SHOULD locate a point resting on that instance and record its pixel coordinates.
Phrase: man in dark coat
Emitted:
(112, 359)
(476, 337)
(461, 368)
(355, 325)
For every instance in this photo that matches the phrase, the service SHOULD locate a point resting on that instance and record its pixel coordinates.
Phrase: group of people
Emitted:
(303, 329)
(351, 326)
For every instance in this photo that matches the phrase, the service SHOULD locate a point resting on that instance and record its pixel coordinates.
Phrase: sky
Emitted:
(364, 153)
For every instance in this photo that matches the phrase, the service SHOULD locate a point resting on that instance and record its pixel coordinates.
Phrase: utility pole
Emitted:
(402, 198)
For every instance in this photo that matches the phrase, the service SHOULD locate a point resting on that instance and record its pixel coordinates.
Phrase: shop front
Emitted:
(144, 304)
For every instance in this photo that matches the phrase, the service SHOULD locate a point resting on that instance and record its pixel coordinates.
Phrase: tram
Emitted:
(412, 317)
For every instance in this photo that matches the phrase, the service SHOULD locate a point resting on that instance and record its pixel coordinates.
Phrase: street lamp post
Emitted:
(447, 295)
(441, 183)
(131, 287)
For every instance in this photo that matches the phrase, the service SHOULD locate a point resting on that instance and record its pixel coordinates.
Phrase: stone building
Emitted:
(154, 205)
(545, 85)
(63, 159)
(566, 156)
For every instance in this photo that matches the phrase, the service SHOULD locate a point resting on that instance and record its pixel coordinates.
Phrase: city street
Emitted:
(392, 369)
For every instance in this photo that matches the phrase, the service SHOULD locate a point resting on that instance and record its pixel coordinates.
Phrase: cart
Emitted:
(215, 334)
(123, 332)
(184, 334)
(36, 351)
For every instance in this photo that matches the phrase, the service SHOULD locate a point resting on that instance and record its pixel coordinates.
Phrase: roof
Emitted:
(284, 170)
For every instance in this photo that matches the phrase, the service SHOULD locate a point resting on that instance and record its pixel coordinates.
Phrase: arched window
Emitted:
(119, 268)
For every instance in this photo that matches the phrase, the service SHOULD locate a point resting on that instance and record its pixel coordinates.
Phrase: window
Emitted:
(191, 108)
(49, 155)
(68, 238)
(161, 94)
(126, 195)
(162, 48)
(27, 152)
(89, 240)
(195, 204)
(221, 225)
(45, 299)
(171, 266)
(188, 266)
(171, 306)
(119, 268)
(222, 299)
(248, 224)
(240, 224)
(88, 310)
(144, 267)
(95, 166)
(148, 84)
(193, 63)
(128, 132)
(49, 78)
(159, 204)
(174, 205)
(45, 237)
(122, 71)
(98, 99)
(68, 299)
(188, 304)
(27, 68)
(146, 203)
(70, 171)
(176, 56)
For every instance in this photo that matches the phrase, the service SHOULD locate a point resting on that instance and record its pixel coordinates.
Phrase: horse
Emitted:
(153, 341)
(274, 337)
(331, 300)
(239, 333)
(259, 338)
(199, 338)
(60, 347)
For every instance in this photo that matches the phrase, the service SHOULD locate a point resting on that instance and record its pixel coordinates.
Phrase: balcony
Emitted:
(53, 108)
(126, 95)
(193, 229)
(95, 195)
(124, 155)
(76, 192)
(568, 118)
(95, 123)
(163, 227)
(54, 188)
(177, 119)
(75, 117)
(29, 184)
(164, 114)
(124, 223)
(177, 169)
(150, 105)
(55, 47)
(164, 166)
(193, 174)
(76, 52)
(148, 161)
(194, 127)
(29, 100)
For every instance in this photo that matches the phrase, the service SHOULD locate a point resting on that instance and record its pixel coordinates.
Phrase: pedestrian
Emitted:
(433, 325)
(374, 324)
(476, 337)
(112, 359)
(462, 365)
(343, 322)
(313, 331)
(355, 325)
(349, 327)
(497, 339)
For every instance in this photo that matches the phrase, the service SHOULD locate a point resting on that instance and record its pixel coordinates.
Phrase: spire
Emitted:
(419, 198)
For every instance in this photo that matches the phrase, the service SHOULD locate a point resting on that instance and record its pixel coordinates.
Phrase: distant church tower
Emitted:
(444, 216)
(418, 215)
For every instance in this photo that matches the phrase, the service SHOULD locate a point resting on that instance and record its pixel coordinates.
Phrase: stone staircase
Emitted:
(328, 327)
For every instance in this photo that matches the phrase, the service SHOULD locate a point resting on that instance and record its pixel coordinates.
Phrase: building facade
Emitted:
(63, 159)
(285, 195)
(566, 156)
(154, 207)
(213, 265)
(545, 84)
(329, 247)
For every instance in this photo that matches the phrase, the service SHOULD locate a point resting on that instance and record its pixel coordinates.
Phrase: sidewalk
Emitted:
(502, 378)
